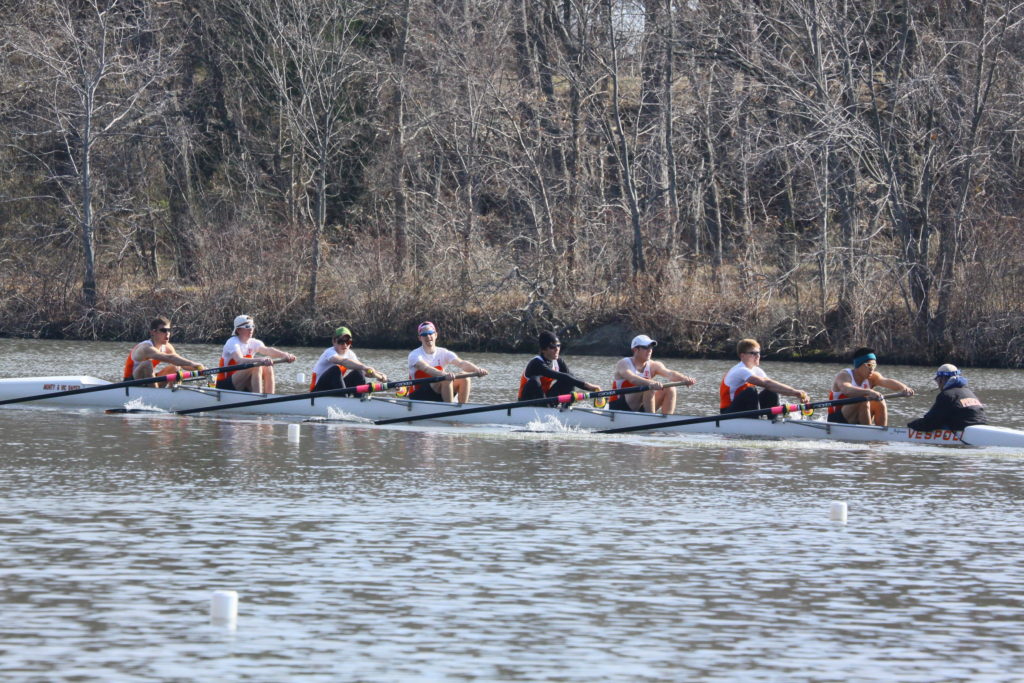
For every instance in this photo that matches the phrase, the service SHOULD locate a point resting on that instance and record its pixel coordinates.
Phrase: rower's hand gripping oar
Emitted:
(343, 391)
(546, 401)
(173, 378)
(780, 410)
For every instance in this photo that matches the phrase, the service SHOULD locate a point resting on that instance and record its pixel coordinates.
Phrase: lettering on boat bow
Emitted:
(947, 435)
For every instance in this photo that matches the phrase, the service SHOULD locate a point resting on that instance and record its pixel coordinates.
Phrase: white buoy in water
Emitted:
(224, 608)
(300, 377)
(293, 433)
(838, 511)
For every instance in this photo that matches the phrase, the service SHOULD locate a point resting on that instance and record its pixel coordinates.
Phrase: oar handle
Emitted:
(578, 396)
(843, 401)
(398, 384)
(630, 390)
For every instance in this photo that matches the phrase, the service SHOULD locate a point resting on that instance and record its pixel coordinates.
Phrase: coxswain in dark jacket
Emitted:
(955, 407)
(547, 374)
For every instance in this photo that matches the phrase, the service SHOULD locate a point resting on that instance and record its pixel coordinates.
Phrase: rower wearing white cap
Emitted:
(639, 370)
(955, 407)
(242, 347)
(747, 387)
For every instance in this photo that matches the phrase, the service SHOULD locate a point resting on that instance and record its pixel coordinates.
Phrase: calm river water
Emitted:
(418, 554)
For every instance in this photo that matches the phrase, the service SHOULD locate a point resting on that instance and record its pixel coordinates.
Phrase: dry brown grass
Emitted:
(485, 303)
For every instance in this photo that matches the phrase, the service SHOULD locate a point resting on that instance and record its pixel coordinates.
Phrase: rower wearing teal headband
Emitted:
(861, 360)
(863, 379)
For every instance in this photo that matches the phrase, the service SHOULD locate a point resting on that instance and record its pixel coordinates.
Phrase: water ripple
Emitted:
(416, 555)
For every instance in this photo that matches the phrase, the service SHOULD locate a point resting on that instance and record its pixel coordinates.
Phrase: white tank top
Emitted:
(623, 383)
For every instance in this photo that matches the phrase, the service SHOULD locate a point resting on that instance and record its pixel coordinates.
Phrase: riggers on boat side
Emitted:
(579, 416)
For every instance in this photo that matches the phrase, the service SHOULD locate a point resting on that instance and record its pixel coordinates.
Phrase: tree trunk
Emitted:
(88, 231)
(401, 205)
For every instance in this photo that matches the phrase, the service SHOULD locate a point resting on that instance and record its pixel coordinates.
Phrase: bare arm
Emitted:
(150, 353)
(622, 371)
(673, 376)
(466, 366)
(425, 367)
(896, 385)
(843, 385)
(277, 353)
(778, 387)
(350, 364)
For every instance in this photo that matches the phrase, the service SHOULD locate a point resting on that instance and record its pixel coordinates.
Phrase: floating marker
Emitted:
(838, 511)
(224, 608)
(293, 433)
(300, 377)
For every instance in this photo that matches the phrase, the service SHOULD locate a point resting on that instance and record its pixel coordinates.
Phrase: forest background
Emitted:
(817, 174)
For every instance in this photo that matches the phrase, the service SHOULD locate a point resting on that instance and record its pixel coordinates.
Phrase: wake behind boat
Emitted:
(377, 407)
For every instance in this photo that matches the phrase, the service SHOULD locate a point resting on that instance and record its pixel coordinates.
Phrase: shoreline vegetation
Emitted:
(817, 177)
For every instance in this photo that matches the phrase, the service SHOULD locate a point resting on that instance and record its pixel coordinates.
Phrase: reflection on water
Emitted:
(362, 553)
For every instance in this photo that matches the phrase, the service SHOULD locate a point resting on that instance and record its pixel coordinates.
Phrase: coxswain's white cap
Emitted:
(642, 340)
(947, 370)
(244, 321)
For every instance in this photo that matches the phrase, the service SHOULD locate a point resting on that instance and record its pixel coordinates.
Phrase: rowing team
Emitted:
(744, 387)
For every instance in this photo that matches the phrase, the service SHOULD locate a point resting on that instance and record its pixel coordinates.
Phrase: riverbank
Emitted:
(501, 314)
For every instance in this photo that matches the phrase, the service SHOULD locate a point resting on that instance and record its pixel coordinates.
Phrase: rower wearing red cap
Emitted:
(431, 360)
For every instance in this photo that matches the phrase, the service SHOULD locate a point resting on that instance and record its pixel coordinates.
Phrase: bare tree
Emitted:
(97, 72)
(306, 51)
(615, 126)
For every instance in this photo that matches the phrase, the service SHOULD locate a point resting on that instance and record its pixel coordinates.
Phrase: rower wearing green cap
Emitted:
(338, 366)
(860, 380)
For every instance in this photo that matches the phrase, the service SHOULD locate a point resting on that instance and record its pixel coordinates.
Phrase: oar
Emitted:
(361, 389)
(174, 377)
(783, 409)
(547, 400)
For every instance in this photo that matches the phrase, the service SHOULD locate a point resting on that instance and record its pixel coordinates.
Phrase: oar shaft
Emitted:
(783, 409)
(173, 377)
(545, 401)
(342, 391)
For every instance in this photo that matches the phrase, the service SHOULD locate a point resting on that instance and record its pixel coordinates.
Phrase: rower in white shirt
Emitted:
(242, 347)
(430, 360)
(338, 366)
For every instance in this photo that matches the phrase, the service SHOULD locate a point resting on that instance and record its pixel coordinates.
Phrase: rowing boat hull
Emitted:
(371, 408)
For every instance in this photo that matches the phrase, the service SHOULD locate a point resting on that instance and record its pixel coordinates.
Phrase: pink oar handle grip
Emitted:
(372, 386)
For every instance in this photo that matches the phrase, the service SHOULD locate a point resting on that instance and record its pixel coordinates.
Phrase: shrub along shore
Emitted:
(488, 313)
